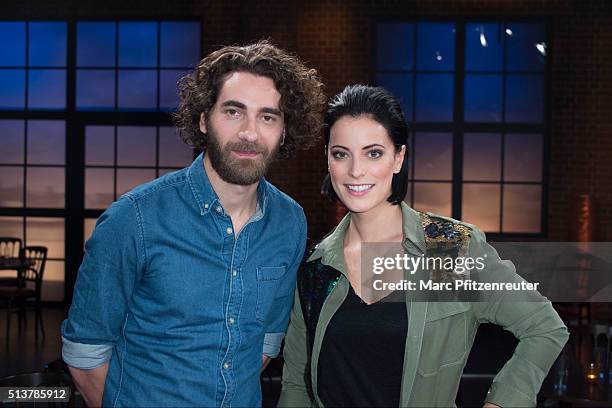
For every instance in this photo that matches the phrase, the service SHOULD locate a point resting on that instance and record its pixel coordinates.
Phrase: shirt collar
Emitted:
(205, 196)
(331, 248)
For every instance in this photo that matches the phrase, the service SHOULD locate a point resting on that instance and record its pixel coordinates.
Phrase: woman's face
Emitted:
(362, 160)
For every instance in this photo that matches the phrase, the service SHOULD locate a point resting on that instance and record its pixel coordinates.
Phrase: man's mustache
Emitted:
(245, 147)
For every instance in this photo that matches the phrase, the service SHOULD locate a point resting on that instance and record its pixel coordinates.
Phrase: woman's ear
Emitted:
(399, 159)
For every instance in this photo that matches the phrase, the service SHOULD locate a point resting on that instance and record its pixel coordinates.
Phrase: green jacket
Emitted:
(440, 334)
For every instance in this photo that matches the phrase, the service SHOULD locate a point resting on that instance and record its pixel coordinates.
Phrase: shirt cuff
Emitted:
(85, 356)
(272, 344)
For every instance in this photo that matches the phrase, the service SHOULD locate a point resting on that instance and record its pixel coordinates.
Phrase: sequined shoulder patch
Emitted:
(445, 238)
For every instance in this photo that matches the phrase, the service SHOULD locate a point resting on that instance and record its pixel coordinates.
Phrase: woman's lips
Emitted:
(358, 190)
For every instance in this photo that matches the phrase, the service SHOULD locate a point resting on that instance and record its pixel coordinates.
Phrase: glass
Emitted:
(138, 44)
(45, 187)
(137, 90)
(48, 232)
(523, 157)
(436, 46)
(95, 89)
(88, 227)
(99, 188)
(46, 142)
(482, 157)
(47, 44)
(526, 47)
(483, 98)
(12, 53)
(434, 97)
(54, 272)
(12, 89)
(525, 98)
(433, 197)
(481, 205)
(11, 187)
(11, 227)
(180, 44)
(127, 179)
(100, 145)
(394, 46)
(168, 88)
(47, 89)
(136, 146)
(401, 86)
(96, 44)
(433, 154)
(172, 151)
(484, 46)
(521, 211)
(163, 171)
(12, 141)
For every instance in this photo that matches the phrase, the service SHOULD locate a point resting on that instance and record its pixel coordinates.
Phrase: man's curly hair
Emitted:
(302, 98)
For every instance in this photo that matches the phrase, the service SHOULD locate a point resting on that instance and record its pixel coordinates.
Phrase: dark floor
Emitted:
(21, 353)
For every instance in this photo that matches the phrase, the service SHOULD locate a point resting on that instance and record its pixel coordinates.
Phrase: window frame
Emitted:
(458, 127)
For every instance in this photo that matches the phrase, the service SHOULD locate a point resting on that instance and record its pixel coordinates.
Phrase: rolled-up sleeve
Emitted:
(114, 260)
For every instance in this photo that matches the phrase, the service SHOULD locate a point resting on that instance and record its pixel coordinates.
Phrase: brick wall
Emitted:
(336, 38)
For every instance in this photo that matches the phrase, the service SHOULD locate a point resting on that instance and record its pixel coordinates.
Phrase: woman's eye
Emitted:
(339, 155)
(375, 154)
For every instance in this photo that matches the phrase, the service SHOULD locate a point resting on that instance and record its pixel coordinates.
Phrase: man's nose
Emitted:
(249, 131)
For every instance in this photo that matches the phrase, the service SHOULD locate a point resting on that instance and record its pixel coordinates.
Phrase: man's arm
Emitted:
(90, 383)
(114, 261)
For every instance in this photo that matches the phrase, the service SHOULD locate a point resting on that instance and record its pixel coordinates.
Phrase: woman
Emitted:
(345, 346)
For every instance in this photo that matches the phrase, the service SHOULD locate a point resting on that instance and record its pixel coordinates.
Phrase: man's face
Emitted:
(244, 128)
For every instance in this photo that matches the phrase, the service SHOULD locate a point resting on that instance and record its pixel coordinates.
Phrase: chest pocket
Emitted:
(268, 280)
(445, 338)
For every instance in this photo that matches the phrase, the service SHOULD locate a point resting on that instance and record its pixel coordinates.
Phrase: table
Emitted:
(17, 264)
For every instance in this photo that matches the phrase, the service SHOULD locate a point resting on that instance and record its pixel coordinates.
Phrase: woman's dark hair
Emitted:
(380, 105)
(302, 99)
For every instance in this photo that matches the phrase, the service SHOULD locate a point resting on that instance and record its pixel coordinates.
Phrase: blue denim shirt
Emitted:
(182, 306)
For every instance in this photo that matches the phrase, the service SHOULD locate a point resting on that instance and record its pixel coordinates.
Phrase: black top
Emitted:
(362, 354)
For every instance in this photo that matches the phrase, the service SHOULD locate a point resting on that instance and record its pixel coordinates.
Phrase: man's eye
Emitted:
(339, 155)
(375, 154)
(269, 118)
(232, 112)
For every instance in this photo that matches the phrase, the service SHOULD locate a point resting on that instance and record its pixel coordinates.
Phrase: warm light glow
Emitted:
(591, 376)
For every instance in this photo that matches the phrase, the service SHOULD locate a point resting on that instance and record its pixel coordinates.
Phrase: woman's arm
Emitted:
(532, 320)
(294, 392)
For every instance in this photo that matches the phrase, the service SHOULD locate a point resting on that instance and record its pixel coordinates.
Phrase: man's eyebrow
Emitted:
(272, 111)
(234, 103)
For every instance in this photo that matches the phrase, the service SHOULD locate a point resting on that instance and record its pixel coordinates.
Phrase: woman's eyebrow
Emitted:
(340, 146)
(373, 145)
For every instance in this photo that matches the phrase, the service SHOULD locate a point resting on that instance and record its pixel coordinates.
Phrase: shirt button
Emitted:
(229, 231)
(218, 208)
(206, 205)
(231, 320)
(234, 272)
(226, 365)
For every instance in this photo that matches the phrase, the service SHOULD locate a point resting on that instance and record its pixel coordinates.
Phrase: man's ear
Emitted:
(203, 123)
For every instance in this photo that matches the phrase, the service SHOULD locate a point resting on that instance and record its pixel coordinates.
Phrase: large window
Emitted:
(474, 93)
(84, 118)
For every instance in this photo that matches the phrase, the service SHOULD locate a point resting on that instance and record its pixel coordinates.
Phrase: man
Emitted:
(188, 280)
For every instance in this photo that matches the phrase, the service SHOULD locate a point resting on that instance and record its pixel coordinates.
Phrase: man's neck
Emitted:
(238, 201)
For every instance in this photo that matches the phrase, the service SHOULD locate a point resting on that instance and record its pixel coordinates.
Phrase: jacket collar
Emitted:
(331, 248)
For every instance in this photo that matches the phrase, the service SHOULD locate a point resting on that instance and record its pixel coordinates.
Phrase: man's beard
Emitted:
(233, 170)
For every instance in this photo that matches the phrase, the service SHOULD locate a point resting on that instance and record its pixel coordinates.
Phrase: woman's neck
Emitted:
(381, 224)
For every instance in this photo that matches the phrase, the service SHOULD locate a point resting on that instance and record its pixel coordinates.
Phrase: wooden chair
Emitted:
(28, 295)
(9, 248)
